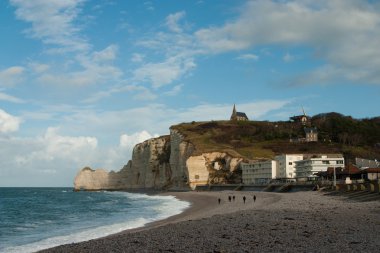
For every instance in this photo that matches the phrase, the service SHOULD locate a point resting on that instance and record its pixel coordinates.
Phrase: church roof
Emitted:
(241, 114)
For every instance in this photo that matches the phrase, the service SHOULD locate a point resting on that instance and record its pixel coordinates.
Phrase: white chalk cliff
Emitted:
(165, 162)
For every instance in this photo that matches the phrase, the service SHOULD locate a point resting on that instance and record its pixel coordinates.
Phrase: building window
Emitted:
(339, 162)
(196, 176)
(326, 162)
(290, 163)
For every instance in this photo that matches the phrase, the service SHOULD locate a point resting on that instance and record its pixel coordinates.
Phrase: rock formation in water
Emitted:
(166, 162)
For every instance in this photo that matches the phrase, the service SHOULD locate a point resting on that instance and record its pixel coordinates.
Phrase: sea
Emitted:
(33, 219)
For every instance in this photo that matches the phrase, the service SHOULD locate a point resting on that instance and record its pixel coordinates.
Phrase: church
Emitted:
(238, 116)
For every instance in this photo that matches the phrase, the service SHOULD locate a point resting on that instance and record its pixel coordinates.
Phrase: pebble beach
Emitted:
(276, 222)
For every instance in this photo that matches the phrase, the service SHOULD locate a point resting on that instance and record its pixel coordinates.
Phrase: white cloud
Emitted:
(11, 76)
(49, 160)
(164, 73)
(56, 24)
(129, 141)
(53, 22)
(149, 6)
(54, 147)
(144, 94)
(138, 92)
(9, 98)
(8, 123)
(172, 21)
(58, 145)
(248, 57)
(177, 50)
(137, 57)
(346, 34)
(288, 57)
(174, 91)
(106, 54)
(38, 68)
(96, 68)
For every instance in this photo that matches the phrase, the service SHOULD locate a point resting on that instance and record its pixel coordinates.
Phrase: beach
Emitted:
(304, 221)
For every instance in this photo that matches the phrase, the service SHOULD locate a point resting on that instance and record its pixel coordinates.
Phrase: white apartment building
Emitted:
(286, 165)
(318, 163)
(260, 172)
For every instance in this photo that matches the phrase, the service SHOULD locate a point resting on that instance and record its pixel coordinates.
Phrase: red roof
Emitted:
(372, 170)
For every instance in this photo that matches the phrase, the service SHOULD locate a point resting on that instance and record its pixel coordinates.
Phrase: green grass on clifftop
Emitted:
(263, 139)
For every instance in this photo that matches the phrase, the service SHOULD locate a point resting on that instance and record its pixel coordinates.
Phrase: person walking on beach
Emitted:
(233, 198)
(219, 201)
(229, 198)
(254, 198)
(244, 199)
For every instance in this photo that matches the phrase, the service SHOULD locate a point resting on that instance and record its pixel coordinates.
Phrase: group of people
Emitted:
(233, 198)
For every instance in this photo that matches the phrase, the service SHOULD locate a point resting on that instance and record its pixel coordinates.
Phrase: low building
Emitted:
(258, 172)
(371, 174)
(286, 165)
(366, 163)
(315, 164)
(346, 174)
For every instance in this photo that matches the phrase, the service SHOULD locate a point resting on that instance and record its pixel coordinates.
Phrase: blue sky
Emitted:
(81, 82)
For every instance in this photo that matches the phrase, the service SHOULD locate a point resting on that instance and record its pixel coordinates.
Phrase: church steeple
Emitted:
(233, 115)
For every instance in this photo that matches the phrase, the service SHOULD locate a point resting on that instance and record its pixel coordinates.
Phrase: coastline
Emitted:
(287, 222)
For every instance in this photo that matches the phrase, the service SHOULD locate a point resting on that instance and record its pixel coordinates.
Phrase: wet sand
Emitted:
(276, 222)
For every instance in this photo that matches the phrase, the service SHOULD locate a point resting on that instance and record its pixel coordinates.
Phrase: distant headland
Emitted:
(215, 152)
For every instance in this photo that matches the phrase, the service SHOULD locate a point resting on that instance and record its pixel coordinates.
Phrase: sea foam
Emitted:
(138, 210)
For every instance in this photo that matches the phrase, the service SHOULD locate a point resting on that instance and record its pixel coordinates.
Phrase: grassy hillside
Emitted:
(263, 139)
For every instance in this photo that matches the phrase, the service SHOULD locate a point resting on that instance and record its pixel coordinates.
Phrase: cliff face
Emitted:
(213, 168)
(180, 152)
(163, 163)
(92, 180)
(150, 167)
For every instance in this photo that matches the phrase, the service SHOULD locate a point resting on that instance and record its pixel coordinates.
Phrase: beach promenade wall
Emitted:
(267, 188)
(372, 186)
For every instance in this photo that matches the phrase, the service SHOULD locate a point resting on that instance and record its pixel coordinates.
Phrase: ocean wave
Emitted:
(144, 209)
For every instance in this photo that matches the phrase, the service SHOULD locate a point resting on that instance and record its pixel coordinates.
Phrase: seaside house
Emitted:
(286, 165)
(307, 169)
(258, 172)
(362, 163)
(238, 116)
(292, 167)
(371, 174)
(262, 172)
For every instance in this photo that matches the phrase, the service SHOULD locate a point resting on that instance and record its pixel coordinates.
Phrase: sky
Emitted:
(81, 82)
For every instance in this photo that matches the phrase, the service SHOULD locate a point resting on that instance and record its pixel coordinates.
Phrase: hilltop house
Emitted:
(303, 119)
(311, 134)
(238, 116)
